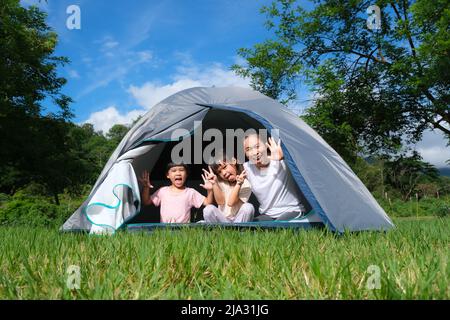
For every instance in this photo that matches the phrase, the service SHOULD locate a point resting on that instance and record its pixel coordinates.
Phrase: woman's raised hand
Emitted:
(276, 153)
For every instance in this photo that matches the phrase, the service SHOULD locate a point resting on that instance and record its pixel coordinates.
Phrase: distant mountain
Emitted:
(444, 171)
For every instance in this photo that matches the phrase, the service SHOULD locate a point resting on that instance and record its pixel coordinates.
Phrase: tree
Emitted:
(375, 87)
(94, 148)
(116, 134)
(33, 145)
(27, 64)
(405, 173)
(56, 164)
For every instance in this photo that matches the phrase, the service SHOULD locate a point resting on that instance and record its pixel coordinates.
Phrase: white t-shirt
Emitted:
(275, 188)
(244, 194)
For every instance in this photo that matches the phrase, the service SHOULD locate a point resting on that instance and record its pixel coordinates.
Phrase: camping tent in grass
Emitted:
(333, 195)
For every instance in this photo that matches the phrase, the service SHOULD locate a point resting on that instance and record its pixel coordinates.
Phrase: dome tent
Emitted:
(333, 193)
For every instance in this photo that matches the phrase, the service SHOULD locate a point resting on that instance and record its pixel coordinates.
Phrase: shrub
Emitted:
(427, 189)
(443, 210)
(424, 207)
(31, 206)
(33, 212)
(4, 198)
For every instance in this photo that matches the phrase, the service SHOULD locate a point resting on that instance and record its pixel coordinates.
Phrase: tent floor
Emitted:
(139, 227)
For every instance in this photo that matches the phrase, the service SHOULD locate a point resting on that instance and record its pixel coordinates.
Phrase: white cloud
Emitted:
(150, 93)
(110, 44)
(121, 65)
(113, 62)
(106, 43)
(106, 118)
(187, 76)
(239, 60)
(433, 148)
(214, 75)
(87, 60)
(73, 74)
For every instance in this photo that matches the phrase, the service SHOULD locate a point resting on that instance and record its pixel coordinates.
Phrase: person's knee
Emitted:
(248, 212)
(208, 211)
(248, 208)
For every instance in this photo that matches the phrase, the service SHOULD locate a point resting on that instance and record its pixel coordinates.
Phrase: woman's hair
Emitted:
(170, 165)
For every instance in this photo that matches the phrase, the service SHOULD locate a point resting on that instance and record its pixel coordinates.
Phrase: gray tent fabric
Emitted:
(332, 189)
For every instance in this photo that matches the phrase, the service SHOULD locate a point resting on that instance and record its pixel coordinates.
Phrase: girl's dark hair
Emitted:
(170, 165)
(216, 165)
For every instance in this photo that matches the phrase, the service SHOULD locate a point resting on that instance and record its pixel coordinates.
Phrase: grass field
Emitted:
(229, 264)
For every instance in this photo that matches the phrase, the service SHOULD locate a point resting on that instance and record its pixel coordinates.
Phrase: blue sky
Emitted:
(129, 55)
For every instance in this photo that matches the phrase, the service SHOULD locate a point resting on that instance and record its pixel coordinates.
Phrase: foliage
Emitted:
(444, 185)
(93, 148)
(31, 206)
(67, 157)
(26, 208)
(443, 210)
(31, 213)
(116, 134)
(27, 64)
(4, 198)
(39, 147)
(371, 174)
(424, 207)
(372, 88)
(405, 172)
(33, 146)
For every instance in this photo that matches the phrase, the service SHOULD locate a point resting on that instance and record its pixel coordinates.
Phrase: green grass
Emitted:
(428, 206)
(228, 264)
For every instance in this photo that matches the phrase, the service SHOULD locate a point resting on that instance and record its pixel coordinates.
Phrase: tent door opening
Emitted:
(157, 158)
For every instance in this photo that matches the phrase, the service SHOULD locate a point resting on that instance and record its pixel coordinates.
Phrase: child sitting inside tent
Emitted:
(175, 200)
(231, 191)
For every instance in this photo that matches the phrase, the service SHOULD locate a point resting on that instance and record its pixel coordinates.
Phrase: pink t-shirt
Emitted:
(176, 206)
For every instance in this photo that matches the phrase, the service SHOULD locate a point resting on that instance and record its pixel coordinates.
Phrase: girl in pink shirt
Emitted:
(175, 200)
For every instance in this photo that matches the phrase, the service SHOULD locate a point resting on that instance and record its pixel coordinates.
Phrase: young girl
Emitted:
(231, 191)
(175, 200)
